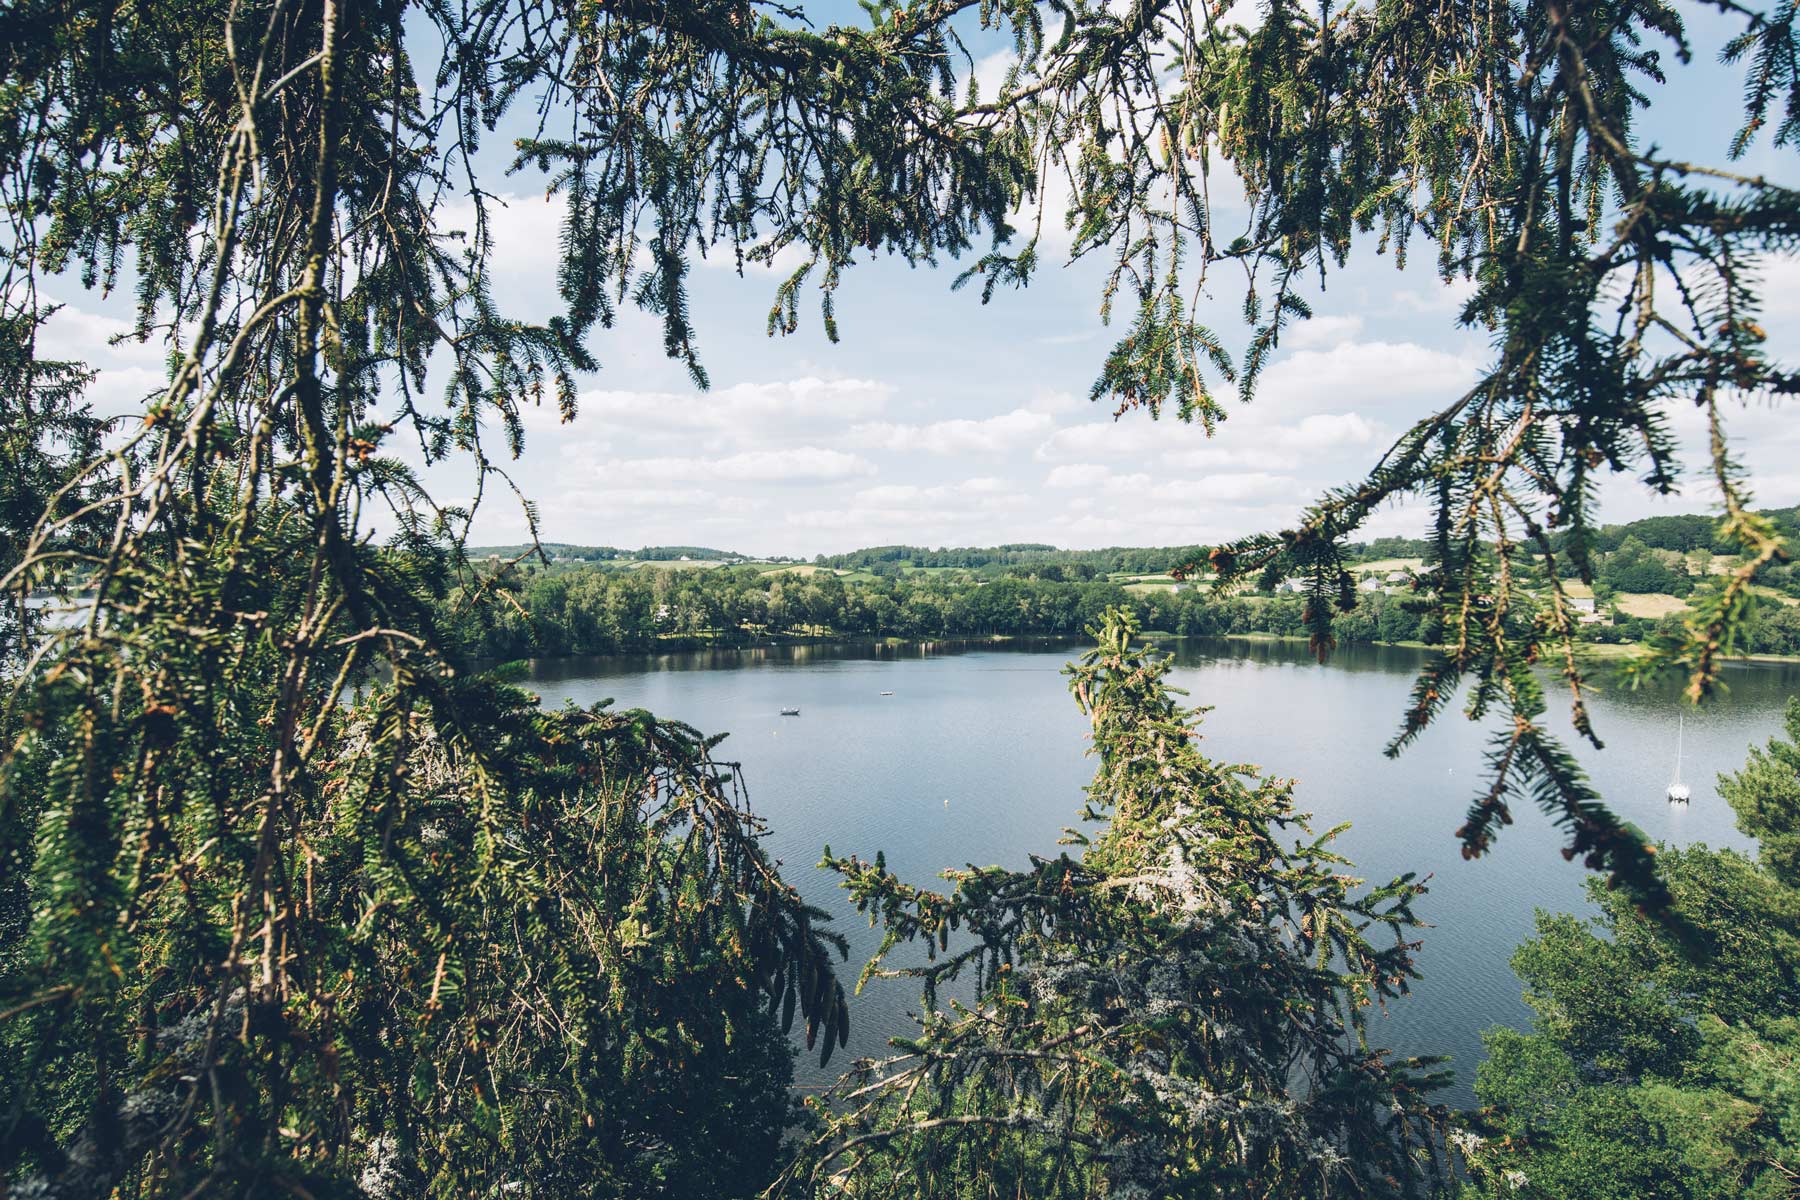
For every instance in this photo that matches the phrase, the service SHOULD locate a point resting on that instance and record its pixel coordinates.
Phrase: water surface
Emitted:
(979, 757)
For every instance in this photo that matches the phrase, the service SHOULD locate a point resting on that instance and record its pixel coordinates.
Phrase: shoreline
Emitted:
(1589, 651)
(1606, 651)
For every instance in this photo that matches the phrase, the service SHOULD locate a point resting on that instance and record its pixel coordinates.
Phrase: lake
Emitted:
(979, 756)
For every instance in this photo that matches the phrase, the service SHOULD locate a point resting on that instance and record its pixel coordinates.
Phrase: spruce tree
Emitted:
(1177, 1010)
(1648, 1073)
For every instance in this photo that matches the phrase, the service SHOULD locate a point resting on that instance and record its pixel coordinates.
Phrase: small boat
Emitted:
(1678, 791)
(887, 693)
(790, 712)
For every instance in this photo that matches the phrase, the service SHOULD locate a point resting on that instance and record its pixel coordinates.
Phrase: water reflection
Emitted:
(783, 654)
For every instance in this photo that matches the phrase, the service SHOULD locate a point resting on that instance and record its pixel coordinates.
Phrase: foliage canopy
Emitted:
(200, 828)
(1649, 1074)
(272, 179)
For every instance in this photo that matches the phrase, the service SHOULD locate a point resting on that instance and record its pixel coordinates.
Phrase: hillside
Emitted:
(1681, 534)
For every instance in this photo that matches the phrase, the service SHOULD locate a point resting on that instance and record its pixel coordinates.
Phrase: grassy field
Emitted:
(666, 564)
(1384, 565)
(1650, 605)
(795, 569)
(1769, 593)
(1619, 653)
(805, 570)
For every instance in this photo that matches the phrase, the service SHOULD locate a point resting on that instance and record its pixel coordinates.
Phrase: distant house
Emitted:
(1292, 584)
(1396, 577)
(1369, 584)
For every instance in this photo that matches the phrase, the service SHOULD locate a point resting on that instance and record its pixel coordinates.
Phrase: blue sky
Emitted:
(941, 421)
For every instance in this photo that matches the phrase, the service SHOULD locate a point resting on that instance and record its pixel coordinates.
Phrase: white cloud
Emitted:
(1133, 437)
(990, 73)
(893, 495)
(1218, 486)
(75, 333)
(1154, 519)
(968, 510)
(1321, 331)
(1299, 410)
(118, 390)
(782, 263)
(1781, 294)
(961, 436)
(1077, 475)
(1322, 431)
(1264, 452)
(801, 463)
(526, 232)
(1249, 485)
(1366, 375)
(610, 499)
(807, 402)
(1251, 445)
(1441, 300)
(127, 371)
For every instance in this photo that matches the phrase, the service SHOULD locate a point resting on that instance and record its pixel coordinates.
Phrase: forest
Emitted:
(301, 897)
(649, 609)
(565, 607)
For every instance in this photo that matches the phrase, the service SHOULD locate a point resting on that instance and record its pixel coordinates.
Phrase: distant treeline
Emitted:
(1021, 589)
(604, 612)
(1074, 564)
(1678, 533)
(1135, 560)
(564, 551)
(600, 612)
(1690, 532)
(1682, 534)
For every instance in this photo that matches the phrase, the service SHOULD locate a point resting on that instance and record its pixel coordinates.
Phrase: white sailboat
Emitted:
(1678, 791)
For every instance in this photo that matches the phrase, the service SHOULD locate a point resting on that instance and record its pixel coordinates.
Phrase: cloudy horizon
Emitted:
(942, 421)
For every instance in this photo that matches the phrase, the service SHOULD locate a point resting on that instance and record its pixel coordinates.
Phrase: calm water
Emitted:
(979, 757)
